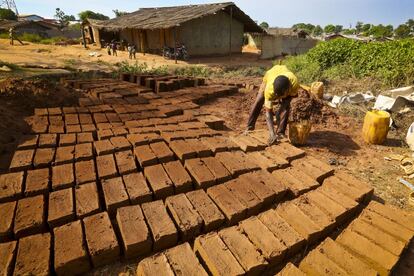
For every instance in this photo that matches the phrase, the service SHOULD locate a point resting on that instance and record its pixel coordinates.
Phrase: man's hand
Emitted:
(269, 121)
(272, 140)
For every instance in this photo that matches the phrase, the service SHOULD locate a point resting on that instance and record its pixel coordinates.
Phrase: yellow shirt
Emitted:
(269, 78)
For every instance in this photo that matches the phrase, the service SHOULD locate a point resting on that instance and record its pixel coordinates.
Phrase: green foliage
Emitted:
(62, 18)
(92, 15)
(338, 28)
(141, 68)
(390, 62)
(349, 31)
(318, 30)
(381, 31)
(402, 31)
(306, 27)
(329, 29)
(34, 38)
(119, 13)
(7, 14)
(264, 25)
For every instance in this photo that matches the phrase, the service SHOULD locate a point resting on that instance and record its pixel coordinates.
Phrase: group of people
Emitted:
(112, 49)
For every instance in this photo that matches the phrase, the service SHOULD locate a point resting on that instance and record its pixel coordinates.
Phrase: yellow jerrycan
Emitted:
(376, 127)
(299, 132)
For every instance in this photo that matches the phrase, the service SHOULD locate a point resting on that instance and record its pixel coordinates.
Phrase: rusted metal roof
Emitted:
(7, 24)
(167, 17)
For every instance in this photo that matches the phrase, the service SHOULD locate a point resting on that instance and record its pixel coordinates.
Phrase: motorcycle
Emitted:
(180, 54)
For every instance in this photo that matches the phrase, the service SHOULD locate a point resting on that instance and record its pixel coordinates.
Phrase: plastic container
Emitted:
(376, 127)
(299, 132)
(317, 89)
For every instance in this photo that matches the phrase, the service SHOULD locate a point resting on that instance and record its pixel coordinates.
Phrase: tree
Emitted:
(338, 29)
(92, 15)
(119, 13)
(62, 18)
(349, 31)
(410, 23)
(264, 25)
(381, 31)
(329, 29)
(7, 14)
(366, 27)
(70, 18)
(403, 31)
(303, 26)
(318, 30)
(358, 27)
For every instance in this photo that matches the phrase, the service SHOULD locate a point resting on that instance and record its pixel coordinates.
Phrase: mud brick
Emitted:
(106, 166)
(290, 270)
(57, 129)
(328, 206)
(155, 265)
(243, 250)
(39, 127)
(245, 195)
(136, 239)
(100, 118)
(115, 194)
(30, 216)
(105, 134)
(28, 142)
(314, 168)
(137, 188)
(85, 172)
(162, 227)
(61, 208)
(125, 161)
(43, 157)
(179, 176)
(299, 221)
(378, 258)
(184, 261)
(216, 255)
(343, 258)
(87, 200)
(236, 162)
(228, 203)
(85, 119)
(56, 120)
(71, 257)
(120, 131)
(33, 255)
(120, 143)
(73, 128)
(71, 119)
(65, 155)
(145, 156)
(396, 215)
(346, 202)
(101, 240)
(54, 111)
(143, 139)
(364, 188)
(8, 254)
(11, 186)
(6, 222)
(212, 122)
(62, 177)
(377, 236)
(88, 128)
(103, 147)
(185, 216)
(84, 137)
(386, 225)
(208, 211)
(255, 183)
(219, 144)
(283, 231)
(41, 111)
(286, 151)
(200, 173)
(162, 151)
(201, 149)
(37, 182)
(83, 152)
(220, 173)
(316, 263)
(183, 150)
(22, 160)
(296, 180)
(160, 183)
(248, 144)
(321, 219)
(268, 162)
(67, 139)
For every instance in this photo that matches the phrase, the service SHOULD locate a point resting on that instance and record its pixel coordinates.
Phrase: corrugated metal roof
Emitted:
(167, 17)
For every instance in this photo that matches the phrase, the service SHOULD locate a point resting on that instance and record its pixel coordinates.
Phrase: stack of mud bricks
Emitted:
(97, 183)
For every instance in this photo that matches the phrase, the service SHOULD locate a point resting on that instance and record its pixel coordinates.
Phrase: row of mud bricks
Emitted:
(162, 83)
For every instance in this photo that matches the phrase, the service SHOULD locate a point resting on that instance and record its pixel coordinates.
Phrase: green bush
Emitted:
(34, 38)
(391, 62)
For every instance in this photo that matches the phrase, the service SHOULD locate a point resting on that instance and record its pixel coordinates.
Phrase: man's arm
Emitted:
(270, 124)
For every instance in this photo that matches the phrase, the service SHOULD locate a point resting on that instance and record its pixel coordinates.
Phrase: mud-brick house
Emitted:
(40, 28)
(209, 29)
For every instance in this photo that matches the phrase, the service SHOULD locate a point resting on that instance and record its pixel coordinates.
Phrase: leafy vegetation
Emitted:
(7, 14)
(92, 15)
(390, 62)
(63, 18)
(119, 13)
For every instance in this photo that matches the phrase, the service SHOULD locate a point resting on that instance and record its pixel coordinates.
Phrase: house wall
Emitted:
(273, 46)
(34, 29)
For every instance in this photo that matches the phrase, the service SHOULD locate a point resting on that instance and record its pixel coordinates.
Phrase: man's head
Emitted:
(281, 86)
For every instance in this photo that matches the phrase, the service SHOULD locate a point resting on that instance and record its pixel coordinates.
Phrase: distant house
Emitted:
(285, 41)
(328, 37)
(209, 29)
(30, 17)
(40, 28)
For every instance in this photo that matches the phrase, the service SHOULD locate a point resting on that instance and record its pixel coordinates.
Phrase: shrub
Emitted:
(306, 70)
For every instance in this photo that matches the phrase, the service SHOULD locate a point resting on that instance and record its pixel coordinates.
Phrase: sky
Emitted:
(277, 13)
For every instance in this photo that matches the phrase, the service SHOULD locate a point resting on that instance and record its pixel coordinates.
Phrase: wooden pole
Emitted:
(175, 44)
(83, 37)
(231, 27)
